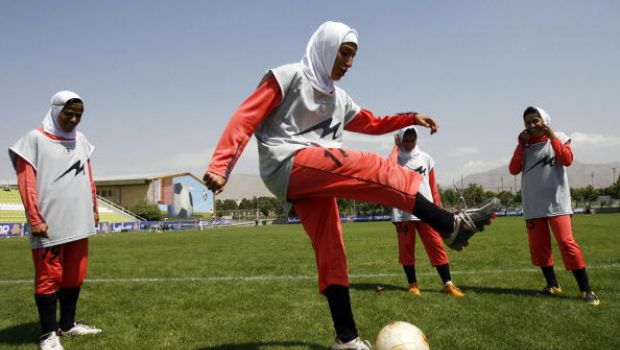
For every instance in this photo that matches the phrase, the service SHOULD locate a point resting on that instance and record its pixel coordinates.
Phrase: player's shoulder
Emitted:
(428, 159)
(82, 139)
(31, 137)
(34, 133)
(286, 74)
(287, 71)
(81, 136)
(424, 155)
(341, 93)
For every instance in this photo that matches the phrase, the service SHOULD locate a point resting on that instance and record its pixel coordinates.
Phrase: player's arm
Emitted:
(516, 162)
(239, 130)
(434, 188)
(93, 192)
(27, 186)
(365, 122)
(393, 157)
(563, 151)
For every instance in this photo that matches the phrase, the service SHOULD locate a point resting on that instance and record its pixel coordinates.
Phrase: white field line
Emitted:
(291, 277)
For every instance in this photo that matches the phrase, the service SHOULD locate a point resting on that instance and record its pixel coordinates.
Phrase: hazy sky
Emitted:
(160, 79)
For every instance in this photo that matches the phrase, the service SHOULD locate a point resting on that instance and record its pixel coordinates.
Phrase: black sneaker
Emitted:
(590, 298)
(470, 221)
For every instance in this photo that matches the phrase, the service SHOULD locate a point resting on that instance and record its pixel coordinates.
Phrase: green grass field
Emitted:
(255, 288)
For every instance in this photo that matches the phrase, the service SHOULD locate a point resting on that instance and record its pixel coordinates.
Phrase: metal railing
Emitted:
(118, 208)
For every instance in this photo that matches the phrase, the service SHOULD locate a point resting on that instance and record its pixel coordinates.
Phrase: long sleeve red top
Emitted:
(257, 107)
(27, 186)
(563, 154)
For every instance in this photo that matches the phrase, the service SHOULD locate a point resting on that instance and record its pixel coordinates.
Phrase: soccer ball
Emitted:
(399, 335)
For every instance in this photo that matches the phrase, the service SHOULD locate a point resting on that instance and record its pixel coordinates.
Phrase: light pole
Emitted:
(515, 183)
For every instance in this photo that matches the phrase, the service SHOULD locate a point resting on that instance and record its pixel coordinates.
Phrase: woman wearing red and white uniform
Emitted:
(298, 116)
(407, 154)
(56, 185)
(542, 156)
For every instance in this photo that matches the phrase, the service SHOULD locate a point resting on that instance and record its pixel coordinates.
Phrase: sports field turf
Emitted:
(255, 288)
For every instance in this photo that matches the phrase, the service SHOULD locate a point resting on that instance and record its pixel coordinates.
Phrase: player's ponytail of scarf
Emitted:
(50, 122)
(321, 52)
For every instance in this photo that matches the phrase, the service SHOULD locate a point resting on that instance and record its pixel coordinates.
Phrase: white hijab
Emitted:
(546, 118)
(321, 52)
(403, 156)
(543, 115)
(50, 122)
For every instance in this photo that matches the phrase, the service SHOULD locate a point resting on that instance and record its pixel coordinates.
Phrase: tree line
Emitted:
(453, 199)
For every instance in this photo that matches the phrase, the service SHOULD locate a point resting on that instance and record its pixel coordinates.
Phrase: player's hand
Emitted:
(96, 218)
(524, 137)
(547, 131)
(397, 140)
(214, 182)
(426, 121)
(39, 230)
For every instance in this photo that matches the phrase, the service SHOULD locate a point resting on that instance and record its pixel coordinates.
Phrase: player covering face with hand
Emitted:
(298, 116)
(541, 157)
(56, 185)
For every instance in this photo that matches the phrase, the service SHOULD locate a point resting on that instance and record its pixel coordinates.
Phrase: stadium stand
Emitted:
(12, 210)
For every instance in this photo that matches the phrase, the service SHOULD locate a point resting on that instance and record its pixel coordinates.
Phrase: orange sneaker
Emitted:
(414, 290)
(551, 290)
(452, 290)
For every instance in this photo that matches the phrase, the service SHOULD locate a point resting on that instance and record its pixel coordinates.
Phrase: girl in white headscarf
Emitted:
(298, 116)
(407, 154)
(56, 185)
(51, 124)
(542, 156)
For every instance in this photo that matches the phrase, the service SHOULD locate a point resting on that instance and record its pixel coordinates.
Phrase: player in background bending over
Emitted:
(56, 185)
(407, 154)
(541, 157)
(298, 116)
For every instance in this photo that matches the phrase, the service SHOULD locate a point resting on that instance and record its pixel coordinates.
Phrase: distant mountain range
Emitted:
(579, 174)
(241, 186)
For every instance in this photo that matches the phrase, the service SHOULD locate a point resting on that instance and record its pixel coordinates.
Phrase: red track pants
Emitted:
(540, 242)
(61, 266)
(320, 175)
(430, 238)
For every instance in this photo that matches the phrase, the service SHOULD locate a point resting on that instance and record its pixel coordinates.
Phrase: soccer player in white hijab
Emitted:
(408, 154)
(56, 185)
(541, 156)
(298, 116)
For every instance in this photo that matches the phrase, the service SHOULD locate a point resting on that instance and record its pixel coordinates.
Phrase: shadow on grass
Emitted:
(264, 346)
(513, 291)
(373, 286)
(27, 333)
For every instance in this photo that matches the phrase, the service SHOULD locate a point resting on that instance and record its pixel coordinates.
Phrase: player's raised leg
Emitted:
(329, 172)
